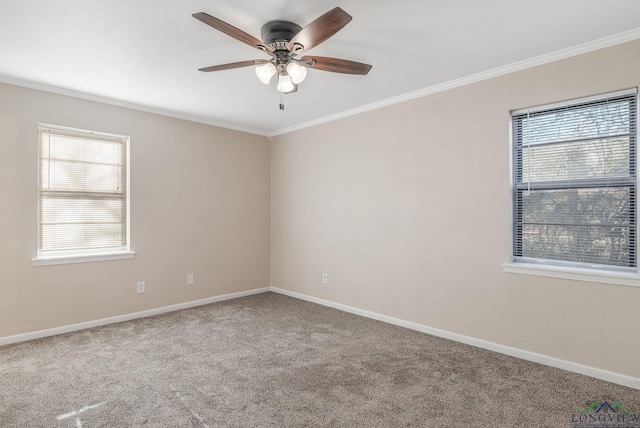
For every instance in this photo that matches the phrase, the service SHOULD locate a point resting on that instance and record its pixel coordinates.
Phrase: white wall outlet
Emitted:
(325, 278)
(140, 287)
(190, 279)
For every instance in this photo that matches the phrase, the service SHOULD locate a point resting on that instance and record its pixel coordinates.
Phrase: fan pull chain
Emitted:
(281, 102)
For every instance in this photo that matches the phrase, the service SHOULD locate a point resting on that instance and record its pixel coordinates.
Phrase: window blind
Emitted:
(82, 203)
(574, 183)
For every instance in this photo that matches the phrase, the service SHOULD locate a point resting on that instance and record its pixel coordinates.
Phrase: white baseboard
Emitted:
(127, 317)
(605, 375)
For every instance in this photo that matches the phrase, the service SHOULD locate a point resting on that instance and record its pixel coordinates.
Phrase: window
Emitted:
(574, 184)
(83, 203)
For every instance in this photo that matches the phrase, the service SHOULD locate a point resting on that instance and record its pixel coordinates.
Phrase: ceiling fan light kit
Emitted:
(285, 84)
(298, 73)
(285, 41)
(265, 72)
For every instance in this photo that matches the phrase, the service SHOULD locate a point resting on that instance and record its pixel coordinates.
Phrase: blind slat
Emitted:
(83, 197)
(574, 183)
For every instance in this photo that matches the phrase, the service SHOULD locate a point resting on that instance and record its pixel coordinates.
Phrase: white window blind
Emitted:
(83, 201)
(574, 183)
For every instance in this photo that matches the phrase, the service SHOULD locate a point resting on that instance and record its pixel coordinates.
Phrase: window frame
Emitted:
(83, 255)
(565, 269)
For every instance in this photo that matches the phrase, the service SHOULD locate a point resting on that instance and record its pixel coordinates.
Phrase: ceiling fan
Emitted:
(284, 41)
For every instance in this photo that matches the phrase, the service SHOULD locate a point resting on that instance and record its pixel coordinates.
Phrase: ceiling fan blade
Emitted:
(319, 30)
(234, 65)
(232, 31)
(336, 65)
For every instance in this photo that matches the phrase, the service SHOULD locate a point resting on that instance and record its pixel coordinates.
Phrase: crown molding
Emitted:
(133, 106)
(583, 48)
(474, 78)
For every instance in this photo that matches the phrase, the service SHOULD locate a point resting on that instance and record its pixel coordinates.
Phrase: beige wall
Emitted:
(199, 204)
(407, 209)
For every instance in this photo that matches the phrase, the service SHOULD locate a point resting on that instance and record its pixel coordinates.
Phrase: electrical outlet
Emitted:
(325, 278)
(140, 287)
(190, 279)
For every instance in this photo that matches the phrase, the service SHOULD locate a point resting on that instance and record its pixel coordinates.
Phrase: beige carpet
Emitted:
(273, 361)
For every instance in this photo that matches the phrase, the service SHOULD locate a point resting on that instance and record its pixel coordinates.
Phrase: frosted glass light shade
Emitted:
(296, 72)
(285, 84)
(265, 72)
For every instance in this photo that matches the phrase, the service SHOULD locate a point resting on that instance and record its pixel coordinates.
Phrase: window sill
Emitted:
(576, 274)
(82, 258)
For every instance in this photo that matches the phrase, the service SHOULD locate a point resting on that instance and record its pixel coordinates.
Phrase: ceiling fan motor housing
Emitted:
(279, 31)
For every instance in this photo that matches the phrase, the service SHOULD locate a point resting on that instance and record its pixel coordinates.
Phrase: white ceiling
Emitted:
(146, 53)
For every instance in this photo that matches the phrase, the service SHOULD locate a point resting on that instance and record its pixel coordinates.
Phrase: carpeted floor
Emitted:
(272, 361)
